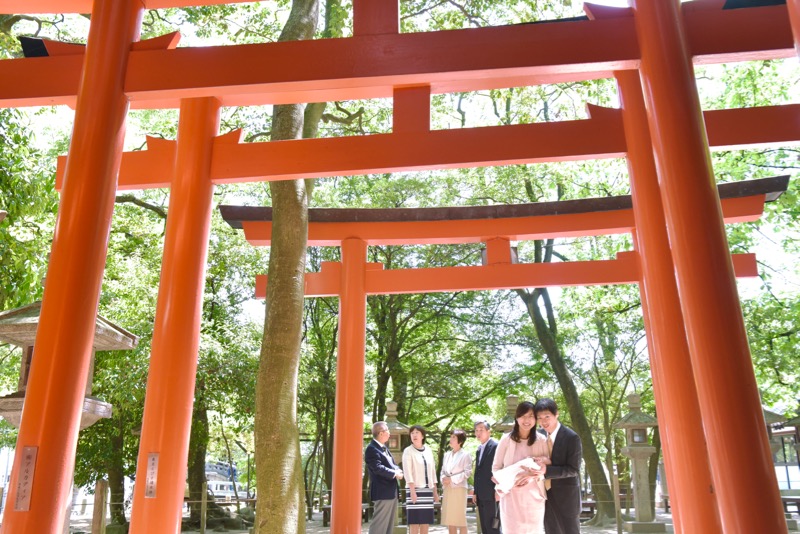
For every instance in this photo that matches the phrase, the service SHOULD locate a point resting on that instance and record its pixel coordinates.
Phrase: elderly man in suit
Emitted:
(383, 477)
(484, 485)
(563, 509)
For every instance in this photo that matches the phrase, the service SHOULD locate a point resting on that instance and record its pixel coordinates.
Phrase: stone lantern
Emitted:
(396, 429)
(506, 424)
(18, 327)
(636, 423)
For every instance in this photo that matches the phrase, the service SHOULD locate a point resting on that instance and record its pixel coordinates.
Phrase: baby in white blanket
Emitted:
(507, 477)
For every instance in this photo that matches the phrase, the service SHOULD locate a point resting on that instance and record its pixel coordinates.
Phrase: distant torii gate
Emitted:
(353, 279)
(660, 39)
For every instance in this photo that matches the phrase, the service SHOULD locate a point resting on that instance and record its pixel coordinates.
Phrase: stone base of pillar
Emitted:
(639, 526)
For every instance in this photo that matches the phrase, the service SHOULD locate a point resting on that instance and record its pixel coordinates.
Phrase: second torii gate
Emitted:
(353, 279)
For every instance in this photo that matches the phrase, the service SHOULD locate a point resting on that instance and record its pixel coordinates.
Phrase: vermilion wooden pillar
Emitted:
(41, 479)
(348, 440)
(685, 452)
(161, 466)
(742, 470)
(376, 17)
(794, 18)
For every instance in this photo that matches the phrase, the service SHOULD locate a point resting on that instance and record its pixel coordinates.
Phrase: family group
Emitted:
(527, 483)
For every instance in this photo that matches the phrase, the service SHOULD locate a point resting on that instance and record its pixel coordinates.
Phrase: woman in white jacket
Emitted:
(419, 471)
(456, 469)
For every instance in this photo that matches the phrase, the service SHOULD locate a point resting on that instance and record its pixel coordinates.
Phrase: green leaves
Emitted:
(26, 193)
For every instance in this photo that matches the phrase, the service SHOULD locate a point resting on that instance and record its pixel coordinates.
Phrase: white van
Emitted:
(223, 490)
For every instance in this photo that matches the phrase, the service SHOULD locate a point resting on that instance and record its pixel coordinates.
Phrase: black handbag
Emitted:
(496, 518)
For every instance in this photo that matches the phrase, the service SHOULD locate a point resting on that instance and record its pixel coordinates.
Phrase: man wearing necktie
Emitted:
(562, 479)
(383, 477)
(484, 486)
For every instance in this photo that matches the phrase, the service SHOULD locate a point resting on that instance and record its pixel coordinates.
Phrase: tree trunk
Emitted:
(327, 443)
(400, 386)
(277, 442)
(652, 468)
(198, 445)
(546, 332)
(309, 479)
(116, 479)
(383, 310)
(381, 387)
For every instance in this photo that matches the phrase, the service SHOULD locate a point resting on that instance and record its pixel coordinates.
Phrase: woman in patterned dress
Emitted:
(419, 472)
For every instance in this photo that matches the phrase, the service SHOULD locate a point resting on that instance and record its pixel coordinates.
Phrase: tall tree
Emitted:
(278, 462)
(540, 308)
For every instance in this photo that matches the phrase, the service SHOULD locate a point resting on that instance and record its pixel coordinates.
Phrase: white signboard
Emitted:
(22, 503)
(152, 476)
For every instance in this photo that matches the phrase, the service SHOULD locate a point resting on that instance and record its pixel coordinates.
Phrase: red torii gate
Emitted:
(660, 39)
(353, 279)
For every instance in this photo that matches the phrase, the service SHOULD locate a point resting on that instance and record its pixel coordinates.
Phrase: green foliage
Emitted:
(226, 23)
(428, 15)
(26, 193)
(770, 308)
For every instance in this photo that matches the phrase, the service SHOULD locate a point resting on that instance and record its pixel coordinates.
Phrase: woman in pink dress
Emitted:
(522, 454)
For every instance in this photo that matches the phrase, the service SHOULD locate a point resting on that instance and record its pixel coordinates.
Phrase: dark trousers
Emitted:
(486, 513)
(562, 512)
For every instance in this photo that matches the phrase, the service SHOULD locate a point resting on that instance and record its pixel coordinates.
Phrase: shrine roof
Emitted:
(19, 326)
(771, 187)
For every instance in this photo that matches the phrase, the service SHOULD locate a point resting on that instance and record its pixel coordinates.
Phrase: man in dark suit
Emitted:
(484, 486)
(383, 477)
(562, 478)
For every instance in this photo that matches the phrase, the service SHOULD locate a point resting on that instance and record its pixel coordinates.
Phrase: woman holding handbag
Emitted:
(456, 469)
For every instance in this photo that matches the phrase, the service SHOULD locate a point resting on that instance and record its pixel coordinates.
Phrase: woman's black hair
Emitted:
(421, 429)
(523, 408)
(460, 435)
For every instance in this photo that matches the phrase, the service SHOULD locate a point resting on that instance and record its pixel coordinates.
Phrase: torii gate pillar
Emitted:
(742, 471)
(164, 445)
(685, 450)
(41, 480)
(348, 439)
(794, 17)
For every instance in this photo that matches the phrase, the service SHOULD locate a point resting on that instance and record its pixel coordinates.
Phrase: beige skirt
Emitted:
(454, 507)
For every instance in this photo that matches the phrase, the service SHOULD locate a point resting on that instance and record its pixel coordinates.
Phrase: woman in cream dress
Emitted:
(522, 506)
(456, 469)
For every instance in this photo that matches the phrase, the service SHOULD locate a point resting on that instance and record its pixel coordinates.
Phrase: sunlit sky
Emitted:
(611, 2)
